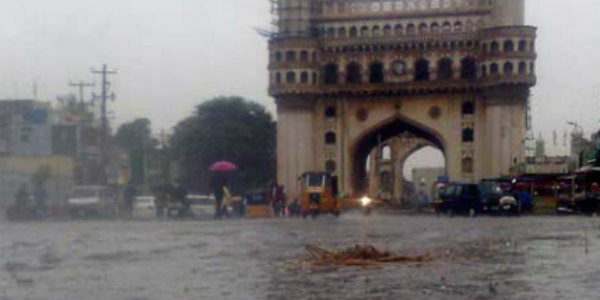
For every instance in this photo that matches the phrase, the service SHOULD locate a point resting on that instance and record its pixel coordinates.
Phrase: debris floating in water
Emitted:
(358, 255)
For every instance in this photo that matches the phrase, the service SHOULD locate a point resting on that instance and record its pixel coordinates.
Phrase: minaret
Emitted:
(509, 12)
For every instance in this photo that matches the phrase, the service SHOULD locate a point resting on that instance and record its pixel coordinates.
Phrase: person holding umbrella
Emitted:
(220, 183)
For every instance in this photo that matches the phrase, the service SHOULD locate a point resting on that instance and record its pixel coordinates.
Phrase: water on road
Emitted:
(481, 258)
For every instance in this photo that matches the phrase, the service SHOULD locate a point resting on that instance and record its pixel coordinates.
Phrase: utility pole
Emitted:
(104, 120)
(82, 118)
(81, 85)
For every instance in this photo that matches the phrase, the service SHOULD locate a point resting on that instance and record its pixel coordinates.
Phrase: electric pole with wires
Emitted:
(105, 86)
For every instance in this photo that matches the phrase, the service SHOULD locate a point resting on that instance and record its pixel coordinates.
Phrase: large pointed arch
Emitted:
(384, 131)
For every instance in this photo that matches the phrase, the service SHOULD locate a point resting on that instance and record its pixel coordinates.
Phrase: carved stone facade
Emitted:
(349, 75)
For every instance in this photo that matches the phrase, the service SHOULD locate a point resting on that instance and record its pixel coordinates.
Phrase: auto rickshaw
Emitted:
(318, 194)
(257, 204)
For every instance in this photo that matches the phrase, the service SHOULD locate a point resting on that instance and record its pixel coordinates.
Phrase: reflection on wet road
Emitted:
(483, 258)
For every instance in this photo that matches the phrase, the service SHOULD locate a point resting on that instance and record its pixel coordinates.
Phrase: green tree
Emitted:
(136, 139)
(135, 135)
(231, 129)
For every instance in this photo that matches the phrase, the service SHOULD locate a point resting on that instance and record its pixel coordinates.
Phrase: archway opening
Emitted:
(330, 75)
(381, 154)
(445, 69)
(421, 171)
(376, 72)
(422, 70)
(353, 75)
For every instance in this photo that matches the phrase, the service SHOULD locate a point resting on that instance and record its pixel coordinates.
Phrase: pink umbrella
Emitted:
(223, 166)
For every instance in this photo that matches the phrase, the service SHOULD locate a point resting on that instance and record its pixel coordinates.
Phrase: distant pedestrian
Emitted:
(219, 182)
(40, 196)
(180, 194)
(22, 198)
(280, 200)
(129, 200)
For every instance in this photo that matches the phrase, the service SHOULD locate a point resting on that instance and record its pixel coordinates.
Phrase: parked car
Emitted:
(202, 205)
(92, 200)
(144, 206)
(460, 198)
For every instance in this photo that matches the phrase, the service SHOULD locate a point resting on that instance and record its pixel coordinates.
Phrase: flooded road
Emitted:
(482, 258)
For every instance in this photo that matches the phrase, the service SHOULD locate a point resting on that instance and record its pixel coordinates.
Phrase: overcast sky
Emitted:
(173, 54)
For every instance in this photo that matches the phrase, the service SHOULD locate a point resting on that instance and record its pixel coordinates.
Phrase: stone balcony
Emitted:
(404, 88)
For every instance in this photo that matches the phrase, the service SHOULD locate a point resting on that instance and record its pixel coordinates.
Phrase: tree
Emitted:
(135, 138)
(135, 135)
(231, 129)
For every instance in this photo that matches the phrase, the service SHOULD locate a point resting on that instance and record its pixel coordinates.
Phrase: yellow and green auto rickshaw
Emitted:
(319, 194)
(258, 204)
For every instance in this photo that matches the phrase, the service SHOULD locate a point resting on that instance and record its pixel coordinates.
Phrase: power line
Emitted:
(103, 119)
(81, 85)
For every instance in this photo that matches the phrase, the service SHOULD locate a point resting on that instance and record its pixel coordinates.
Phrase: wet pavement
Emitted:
(482, 258)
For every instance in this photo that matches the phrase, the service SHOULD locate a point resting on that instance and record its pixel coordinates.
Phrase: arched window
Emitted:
(331, 74)
(376, 31)
(468, 108)
(467, 165)
(290, 77)
(468, 68)
(314, 78)
(509, 46)
(364, 31)
(522, 68)
(386, 152)
(435, 27)
(494, 70)
(446, 27)
(458, 26)
(330, 166)
(290, 56)
(423, 28)
(376, 72)
(278, 78)
(422, 70)
(483, 71)
(508, 68)
(330, 138)
(398, 29)
(353, 32)
(330, 32)
(353, 75)
(522, 46)
(278, 56)
(495, 47)
(445, 69)
(304, 77)
(330, 112)
(468, 135)
(387, 30)
(410, 29)
(304, 56)
(532, 68)
(341, 32)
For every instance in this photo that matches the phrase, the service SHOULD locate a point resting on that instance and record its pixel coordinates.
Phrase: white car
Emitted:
(98, 200)
(202, 205)
(144, 206)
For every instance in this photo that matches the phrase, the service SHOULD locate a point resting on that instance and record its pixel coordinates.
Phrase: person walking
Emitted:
(40, 196)
(218, 185)
(129, 200)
